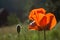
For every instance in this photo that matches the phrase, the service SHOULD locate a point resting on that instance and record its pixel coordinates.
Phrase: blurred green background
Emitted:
(18, 11)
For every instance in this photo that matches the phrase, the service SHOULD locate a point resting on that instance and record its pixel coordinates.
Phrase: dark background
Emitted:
(14, 10)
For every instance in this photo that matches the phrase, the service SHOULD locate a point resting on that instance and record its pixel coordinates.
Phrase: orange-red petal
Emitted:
(36, 12)
(43, 22)
(51, 20)
(33, 26)
(41, 10)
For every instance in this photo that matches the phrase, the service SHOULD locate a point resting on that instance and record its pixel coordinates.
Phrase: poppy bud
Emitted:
(18, 28)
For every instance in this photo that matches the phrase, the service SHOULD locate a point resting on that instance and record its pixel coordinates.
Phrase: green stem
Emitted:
(38, 35)
(44, 35)
(18, 36)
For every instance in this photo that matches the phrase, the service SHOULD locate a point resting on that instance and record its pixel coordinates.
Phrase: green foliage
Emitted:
(26, 34)
(55, 35)
(12, 19)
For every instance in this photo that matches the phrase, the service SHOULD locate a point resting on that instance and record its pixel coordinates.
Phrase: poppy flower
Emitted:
(43, 22)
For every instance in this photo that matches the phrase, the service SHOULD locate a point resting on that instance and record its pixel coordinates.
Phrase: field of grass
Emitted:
(10, 33)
